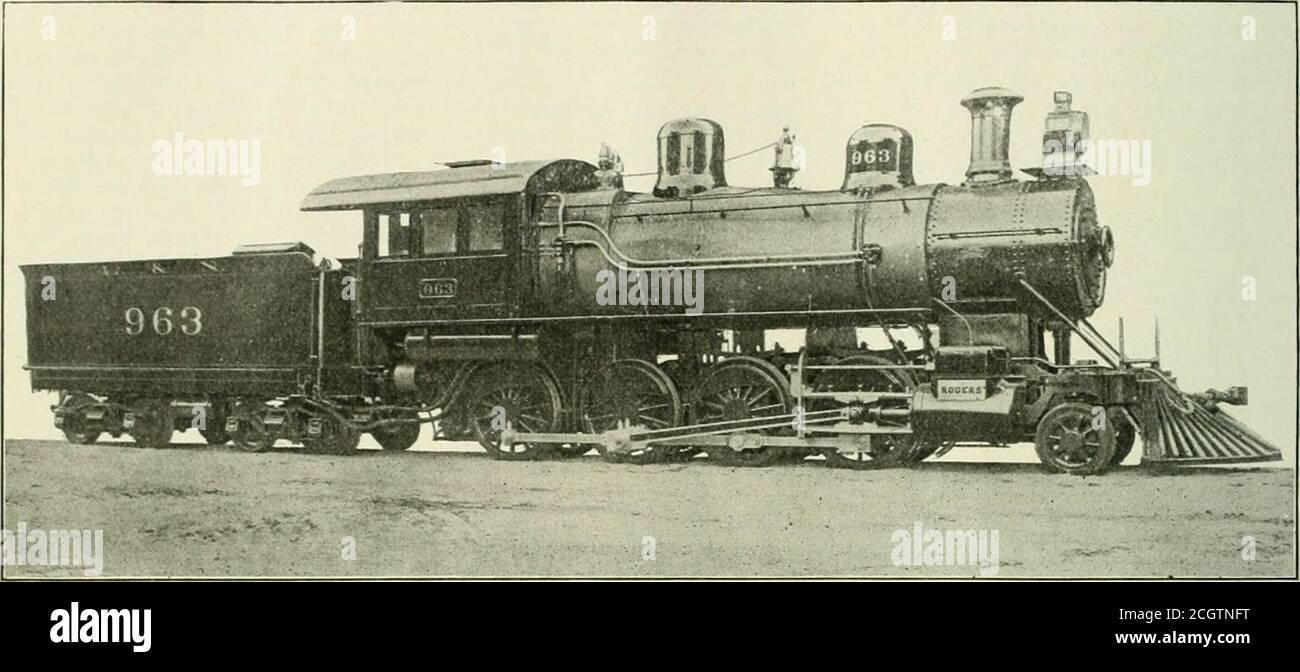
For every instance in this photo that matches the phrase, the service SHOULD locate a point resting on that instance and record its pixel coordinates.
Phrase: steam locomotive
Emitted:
(545, 311)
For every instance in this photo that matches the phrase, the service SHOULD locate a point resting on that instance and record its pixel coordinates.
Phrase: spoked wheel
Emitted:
(249, 431)
(1072, 441)
(400, 436)
(522, 397)
(152, 423)
(634, 392)
(738, 389)
(795, 456)
(215, 436)
(334, 438)
(455, 427)
(74, 424)
(886, 450)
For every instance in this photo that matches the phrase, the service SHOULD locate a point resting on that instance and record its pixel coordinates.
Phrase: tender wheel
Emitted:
(398, 437)
(335, 437)
(522, 397)
(215, 436)
(885, 450)
(738, 389)
(152, 424)
(634, 392)
(1069, 441)
(74, 424)
(1125, 434)
(249, 432)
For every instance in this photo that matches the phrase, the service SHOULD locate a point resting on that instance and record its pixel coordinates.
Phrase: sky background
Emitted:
(429, 83)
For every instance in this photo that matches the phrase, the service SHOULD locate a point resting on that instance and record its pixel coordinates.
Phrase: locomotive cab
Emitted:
(448, 244)
(453, 245)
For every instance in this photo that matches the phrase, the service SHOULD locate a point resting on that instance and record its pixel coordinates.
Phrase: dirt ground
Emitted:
(197, 511)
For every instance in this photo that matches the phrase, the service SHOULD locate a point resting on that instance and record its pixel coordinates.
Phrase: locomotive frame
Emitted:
(469, 306)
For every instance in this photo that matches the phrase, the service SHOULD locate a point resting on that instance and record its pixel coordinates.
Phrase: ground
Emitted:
(196, 511)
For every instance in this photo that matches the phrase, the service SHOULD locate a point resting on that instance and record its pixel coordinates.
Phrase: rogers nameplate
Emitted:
(961, 390)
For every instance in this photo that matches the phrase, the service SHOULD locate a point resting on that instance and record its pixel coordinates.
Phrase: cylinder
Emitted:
(990, 133)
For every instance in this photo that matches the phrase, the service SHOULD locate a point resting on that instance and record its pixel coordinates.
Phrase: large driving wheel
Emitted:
(521, 397)
(74, 424)
(738, 389)
(152, 423)
(886, 450)
(1074, 439)
(454, 427)
(634, 392)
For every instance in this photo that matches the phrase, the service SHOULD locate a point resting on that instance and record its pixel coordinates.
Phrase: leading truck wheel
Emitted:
(1073, 438)
(1125, 434)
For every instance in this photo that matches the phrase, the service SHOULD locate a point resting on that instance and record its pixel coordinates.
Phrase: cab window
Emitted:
(438, 231)
(486, 227)
(394, 234)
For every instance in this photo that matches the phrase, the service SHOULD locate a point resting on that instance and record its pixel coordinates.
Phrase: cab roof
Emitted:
(458, 180)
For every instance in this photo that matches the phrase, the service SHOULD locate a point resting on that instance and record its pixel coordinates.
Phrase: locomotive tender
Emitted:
(543, 310)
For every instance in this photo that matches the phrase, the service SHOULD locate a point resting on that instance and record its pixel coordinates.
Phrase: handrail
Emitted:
(1071, 325)
(1119, 355)
(708, 262)
(560, 213)
(970, 332)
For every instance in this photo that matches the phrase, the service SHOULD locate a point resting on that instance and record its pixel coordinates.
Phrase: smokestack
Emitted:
(990, 133)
